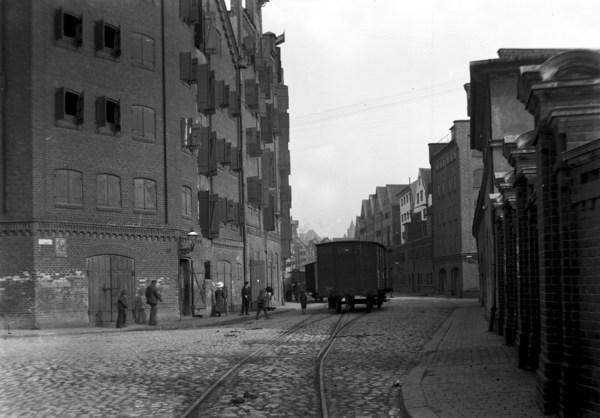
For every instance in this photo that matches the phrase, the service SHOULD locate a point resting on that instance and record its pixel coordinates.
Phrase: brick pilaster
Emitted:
(510, 268)
(550, 364)
(500, 278)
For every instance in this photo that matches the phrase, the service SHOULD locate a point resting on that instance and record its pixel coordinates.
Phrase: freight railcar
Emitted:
(312, 281)
(353, 272)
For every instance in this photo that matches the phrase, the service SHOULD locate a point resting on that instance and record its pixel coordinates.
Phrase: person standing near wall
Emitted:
(245, 298)
(219, 299)
(152, 298)
(122, 310)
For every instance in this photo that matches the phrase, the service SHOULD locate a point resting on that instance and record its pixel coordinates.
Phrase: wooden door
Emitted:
(108, 276)
(99, 300)
(198, 297)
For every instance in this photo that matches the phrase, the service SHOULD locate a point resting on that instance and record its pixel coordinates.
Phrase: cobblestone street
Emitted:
(140, 374)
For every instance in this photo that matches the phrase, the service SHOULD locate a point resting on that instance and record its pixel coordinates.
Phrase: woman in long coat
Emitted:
(219, 299)
(270, 303)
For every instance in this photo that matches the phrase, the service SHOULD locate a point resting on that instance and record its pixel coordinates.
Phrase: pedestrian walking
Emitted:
(152, 299)
(245, 298)
(303, 301)
(139, 313)
(270, 303)
(296, 290)
(219, 299)
(122, 310)
(262, 303)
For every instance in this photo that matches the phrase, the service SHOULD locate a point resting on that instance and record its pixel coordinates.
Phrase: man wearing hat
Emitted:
(122, 310)
(152, 298)
(219, 299)
(245, 298)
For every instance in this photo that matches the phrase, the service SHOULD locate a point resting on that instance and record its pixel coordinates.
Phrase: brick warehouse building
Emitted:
(123, 126)
(456, 178)
(547, 220)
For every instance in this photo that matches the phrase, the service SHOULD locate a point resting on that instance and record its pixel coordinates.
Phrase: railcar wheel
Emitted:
(338, 305)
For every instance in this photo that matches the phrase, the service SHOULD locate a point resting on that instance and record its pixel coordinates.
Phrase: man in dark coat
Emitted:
(296, 289)
(152, 298)
(246, 298)
(122, 310)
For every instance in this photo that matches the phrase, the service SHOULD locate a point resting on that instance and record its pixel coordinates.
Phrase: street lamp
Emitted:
(190, 242)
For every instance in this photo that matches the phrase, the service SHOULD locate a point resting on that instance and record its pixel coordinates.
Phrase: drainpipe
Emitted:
(3, 150)
(164, 104)
(241, 181)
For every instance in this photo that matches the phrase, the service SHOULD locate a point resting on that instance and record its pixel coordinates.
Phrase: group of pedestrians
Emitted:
(264, 302)
(152, 299)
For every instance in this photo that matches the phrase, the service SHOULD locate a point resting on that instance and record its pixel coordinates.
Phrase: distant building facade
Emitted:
(456, 179)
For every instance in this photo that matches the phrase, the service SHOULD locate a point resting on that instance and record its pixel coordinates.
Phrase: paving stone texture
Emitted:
(161, 373)
(467, 371)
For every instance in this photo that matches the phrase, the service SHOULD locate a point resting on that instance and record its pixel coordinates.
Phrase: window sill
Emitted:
(61, 123)
(108, 132)
(188, 217)
(69, 206)
(107, 55)
(109, 209)
(145, 211)
(187, 151)
(143, 139)
(143, 66)
(67, 43)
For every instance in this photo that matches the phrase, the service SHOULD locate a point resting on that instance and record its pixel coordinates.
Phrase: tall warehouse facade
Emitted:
(124, 127)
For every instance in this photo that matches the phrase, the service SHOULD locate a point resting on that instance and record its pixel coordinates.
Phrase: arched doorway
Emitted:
(454, 282)
(442, 281)
(108, 275)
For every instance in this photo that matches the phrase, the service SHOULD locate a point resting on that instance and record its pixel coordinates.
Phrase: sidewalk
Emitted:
(467, 371)
(184, 323)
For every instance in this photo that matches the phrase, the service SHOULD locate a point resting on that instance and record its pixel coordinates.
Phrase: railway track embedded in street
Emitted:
(205, 400)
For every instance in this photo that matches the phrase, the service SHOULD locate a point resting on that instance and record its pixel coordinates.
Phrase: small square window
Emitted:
(68, 27)
(69, 106)
(108, 114)
(108, 39)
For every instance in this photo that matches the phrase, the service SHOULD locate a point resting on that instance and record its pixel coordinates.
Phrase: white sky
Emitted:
(372, 82)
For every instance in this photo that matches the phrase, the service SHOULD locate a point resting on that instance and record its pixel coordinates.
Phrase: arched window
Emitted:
(142, 51)
(186, 201)
(144, 194)
(108, 190)
(454, 282)
(442, 280)
(68, 187)
(144, 124)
